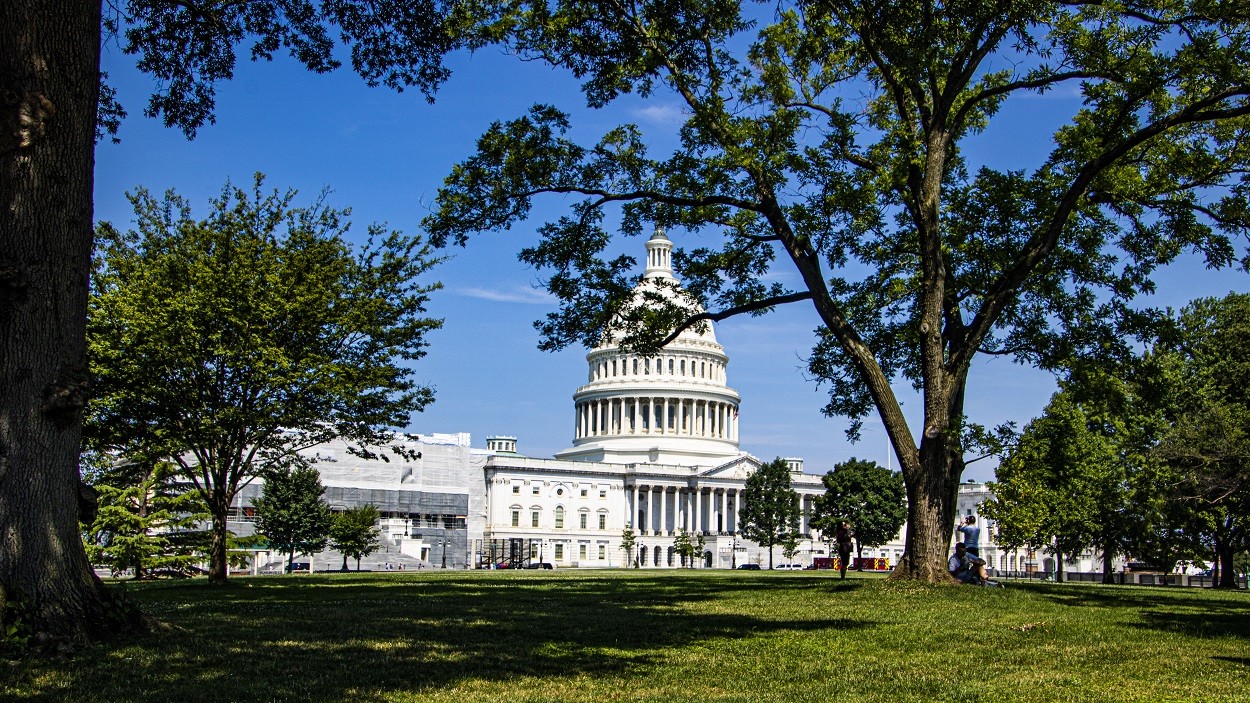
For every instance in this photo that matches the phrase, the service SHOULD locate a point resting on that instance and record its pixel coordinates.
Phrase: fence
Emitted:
(1119, 577)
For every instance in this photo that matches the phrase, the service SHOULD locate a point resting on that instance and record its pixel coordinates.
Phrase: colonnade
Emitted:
(663, 510)
(648, 415)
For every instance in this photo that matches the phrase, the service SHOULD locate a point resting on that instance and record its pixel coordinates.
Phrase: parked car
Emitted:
(788, 567)
(538, 565)
(300, 566)
(748, 567)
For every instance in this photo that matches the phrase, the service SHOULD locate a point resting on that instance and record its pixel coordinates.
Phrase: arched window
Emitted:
(559, 517)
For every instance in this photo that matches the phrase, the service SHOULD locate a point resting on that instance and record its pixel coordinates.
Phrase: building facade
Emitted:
(655, 451)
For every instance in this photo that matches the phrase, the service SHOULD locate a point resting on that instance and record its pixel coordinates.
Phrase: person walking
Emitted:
(843, 537)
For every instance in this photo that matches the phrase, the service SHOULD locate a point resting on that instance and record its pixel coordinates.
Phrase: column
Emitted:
(663, 509)
(698, 509)
(633, 517)
(650, 415)
(724, 505)
(644, 494)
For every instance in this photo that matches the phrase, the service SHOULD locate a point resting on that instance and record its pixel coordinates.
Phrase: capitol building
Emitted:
(654, 449)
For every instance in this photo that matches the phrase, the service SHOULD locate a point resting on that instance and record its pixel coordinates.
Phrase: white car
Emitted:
(788, 567)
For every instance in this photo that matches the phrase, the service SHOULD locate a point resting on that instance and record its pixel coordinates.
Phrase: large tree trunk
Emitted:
(218, 563)
(1108, 575)
(932, 490)
(49, 88)
(1224, 553)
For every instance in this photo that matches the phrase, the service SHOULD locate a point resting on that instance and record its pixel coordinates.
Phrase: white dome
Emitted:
(674, 407)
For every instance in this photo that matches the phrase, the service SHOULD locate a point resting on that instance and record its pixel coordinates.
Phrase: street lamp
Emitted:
(733, 554)
(445, 543)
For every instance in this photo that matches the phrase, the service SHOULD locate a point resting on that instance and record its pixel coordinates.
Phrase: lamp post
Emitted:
(445, 543)
(733, 553)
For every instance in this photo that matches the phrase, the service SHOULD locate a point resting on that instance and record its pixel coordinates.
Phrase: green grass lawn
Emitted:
(643, 635)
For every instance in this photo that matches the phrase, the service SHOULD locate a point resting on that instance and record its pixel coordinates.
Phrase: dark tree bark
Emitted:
(49, 84)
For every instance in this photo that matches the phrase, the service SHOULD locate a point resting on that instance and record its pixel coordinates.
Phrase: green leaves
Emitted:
(190, 46)
(354, 532)
(770, 507)
(868, 496)
(228, 344)
(292, 513)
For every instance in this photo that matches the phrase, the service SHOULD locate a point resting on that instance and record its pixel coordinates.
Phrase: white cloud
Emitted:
(514, 295)
(660, 114)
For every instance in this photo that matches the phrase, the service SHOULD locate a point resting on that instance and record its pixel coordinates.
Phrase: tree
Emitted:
(770, 507)
(54, 107)
(292, 512)
(228, 345)
(1063, 488)
(868, 496)
(629, 540)
(354, 532)
(790, 546)
(1207, 442)
(685, 548)
(827, 136)
(146, 522)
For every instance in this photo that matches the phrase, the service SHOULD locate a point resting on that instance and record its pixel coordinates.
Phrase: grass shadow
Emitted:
(337, 637)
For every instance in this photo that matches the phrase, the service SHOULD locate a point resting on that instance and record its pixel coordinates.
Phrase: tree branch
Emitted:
(739, 310)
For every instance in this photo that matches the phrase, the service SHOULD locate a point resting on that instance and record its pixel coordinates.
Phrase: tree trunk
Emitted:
(1108, 576)
(932, 489)
(218, 563)
(1224, 555)
(1058, 566)
(49, 87)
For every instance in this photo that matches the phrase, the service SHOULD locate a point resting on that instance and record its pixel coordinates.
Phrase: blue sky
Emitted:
(385, 154)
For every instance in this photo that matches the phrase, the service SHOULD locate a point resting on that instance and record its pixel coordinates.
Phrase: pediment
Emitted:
(736, 469)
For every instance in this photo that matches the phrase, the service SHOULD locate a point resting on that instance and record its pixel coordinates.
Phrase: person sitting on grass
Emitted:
(967, 568)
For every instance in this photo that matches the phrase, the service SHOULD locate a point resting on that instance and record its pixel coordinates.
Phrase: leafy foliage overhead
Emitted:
(189, 46)
(822, 158)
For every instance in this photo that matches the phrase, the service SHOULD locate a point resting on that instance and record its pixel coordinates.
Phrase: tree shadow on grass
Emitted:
(337, 638)
(1192, 612)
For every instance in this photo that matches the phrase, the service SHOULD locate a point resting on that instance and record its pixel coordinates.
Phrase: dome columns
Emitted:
(656, 416)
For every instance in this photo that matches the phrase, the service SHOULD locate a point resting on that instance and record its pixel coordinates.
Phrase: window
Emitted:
(516, 489)
(559, 552)
(535, 490)
(603, 494)
(559, 518)
(516, 518)
(534, 519)
(603, 522)
(602, 552)
(583, 523)
(581, 552)
(559, 491)
(584, 492)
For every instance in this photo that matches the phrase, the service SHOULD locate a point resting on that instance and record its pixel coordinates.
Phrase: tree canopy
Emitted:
(770, 507)
(865, 494)
(1207, 443)
(828, 137)
(230, 344)
(354, 532)
(293, 513)
(147, 523)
